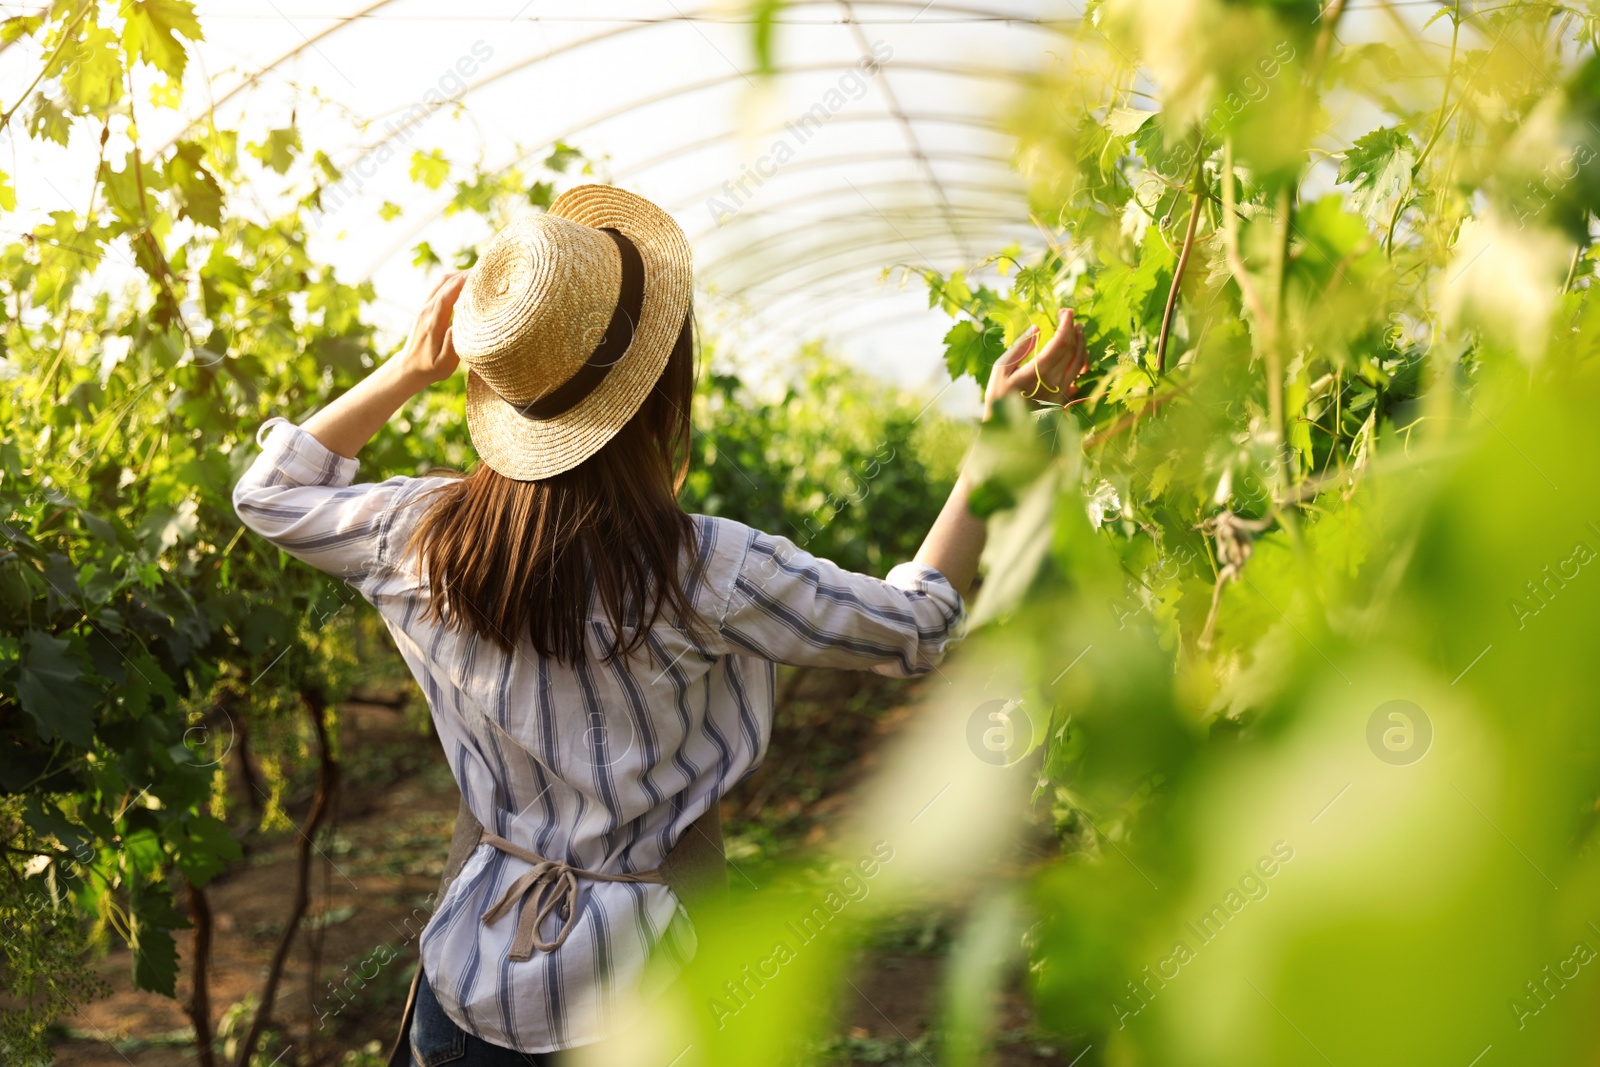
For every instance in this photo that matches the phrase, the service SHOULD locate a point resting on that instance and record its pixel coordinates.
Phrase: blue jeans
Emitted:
(436, 1041)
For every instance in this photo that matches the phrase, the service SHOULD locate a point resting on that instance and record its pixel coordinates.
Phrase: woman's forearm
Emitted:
(347, 424)
(429, 356)
(955, 541)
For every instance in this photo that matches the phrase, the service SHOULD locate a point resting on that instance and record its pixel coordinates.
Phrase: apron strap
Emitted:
(695, 869)
(548, 887)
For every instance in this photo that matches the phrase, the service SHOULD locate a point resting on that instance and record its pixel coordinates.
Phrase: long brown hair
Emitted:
(506, 559)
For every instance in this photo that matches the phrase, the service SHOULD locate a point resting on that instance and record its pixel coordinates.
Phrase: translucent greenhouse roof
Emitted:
(797, 190)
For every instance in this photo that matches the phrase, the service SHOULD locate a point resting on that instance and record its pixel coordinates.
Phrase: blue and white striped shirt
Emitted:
(601, 765)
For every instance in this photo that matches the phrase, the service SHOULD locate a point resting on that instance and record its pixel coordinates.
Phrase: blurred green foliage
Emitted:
(1319, 529)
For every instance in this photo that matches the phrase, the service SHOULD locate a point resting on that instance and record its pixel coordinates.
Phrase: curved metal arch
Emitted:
(973, 219)
(348, 20)
(848, 285)
(252, 79)
(849, 280)
(932, 238)
(884, 323)
(802, 247)
(863, 158)
(833, 295)
(948, 70)
(895, 186)
(1025, 22)
(803, 286)
(854, 279)
(684, 90)
(979, 122)
(885, 86)
(1047, 26)
(863, 320)
(783, 245)
(838, 251)
(821, 326)
(858, 191)
(842, 297)
(745, 272)
(811, 329)
(864, 275)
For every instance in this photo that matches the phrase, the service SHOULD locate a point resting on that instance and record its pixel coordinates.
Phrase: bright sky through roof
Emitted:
(797, 192)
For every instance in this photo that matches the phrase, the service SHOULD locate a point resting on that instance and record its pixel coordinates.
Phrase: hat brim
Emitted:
(528, 449)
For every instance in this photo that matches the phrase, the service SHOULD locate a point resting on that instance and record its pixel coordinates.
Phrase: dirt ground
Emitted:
(376, 869)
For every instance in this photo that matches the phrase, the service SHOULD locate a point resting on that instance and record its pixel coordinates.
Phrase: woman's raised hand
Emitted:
(1049, 378)
(430, 352)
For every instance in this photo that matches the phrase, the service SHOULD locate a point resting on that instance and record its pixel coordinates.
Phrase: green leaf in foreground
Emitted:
(971, 349)
(429, 169)
(53, 692)
(155, 959)
(277, 152)
(766, 20)
(1377, 166)
(153, 29)
(198, 195)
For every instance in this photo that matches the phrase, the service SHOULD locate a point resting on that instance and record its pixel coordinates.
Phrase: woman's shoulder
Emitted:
(409, 502)
(720, 548)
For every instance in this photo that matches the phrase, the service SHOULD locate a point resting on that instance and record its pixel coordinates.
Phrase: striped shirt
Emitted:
(601, 764)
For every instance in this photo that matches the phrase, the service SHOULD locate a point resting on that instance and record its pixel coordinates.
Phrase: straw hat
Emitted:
(556, 365)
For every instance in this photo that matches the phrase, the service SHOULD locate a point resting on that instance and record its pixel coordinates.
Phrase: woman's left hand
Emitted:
(1051, 376)
(430, 352)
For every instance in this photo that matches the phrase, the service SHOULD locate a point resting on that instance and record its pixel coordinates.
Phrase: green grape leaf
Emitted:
(423, 255)
(561, 157)
(152, 32)
(973, 349)
(141, 848)
(18, 26)
(1017, 549)
(1127, 121)
(1443, 12)
(8, 194)
(52, 691)
(48, 120)
(129, 189)
(1377, 167)
(388, 210)
(90, 68)
(46, 819)
(153, 904)
(155, 959)
(277, 152)
(430, 169)
(205, 849)
(195, 189)
(163, 528)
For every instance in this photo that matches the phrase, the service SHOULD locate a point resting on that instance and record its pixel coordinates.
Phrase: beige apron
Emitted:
(695, 870)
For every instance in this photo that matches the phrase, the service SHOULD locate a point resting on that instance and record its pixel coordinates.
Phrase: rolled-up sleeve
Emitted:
(792, 607)
(298, 495)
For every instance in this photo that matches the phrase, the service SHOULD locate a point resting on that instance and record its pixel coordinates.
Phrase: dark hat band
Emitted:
(612, 347)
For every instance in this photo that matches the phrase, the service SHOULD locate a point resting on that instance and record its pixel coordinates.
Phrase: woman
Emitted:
(599, 664)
